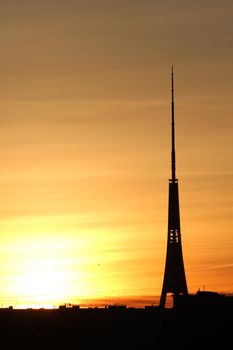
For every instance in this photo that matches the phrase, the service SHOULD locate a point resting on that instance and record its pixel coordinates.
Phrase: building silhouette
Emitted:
(174, 275)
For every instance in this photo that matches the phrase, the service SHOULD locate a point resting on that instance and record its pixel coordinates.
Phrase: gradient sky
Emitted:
(85, 146)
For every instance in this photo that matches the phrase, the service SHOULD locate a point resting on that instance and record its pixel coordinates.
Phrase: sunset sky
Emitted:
(85, 146)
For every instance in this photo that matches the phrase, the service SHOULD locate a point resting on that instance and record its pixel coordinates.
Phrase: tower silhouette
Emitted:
(174, 280)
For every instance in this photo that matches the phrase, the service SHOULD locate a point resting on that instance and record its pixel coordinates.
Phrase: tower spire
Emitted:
(174, 280)
(173, 154)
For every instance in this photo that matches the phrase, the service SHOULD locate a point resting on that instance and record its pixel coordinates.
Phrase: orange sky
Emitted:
(85, 146)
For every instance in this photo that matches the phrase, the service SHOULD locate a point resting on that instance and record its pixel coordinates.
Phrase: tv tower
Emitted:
(174, 280)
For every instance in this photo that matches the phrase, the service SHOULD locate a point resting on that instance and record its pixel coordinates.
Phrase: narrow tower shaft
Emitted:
(174, 276)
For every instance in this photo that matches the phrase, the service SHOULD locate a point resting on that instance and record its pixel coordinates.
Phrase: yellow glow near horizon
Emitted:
(44, 269)
(37, 271)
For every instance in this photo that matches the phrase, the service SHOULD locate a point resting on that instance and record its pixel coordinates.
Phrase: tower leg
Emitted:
(163, 299)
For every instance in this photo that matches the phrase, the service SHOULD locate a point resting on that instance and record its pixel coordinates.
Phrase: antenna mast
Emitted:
(173, 156)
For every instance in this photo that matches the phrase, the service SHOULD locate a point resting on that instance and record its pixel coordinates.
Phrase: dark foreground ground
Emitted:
(116, 328)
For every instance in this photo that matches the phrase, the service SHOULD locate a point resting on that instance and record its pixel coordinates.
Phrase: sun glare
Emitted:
(40, 271)
(45, 281)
